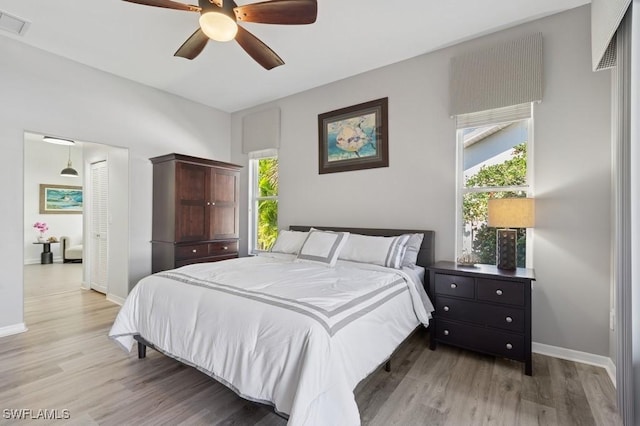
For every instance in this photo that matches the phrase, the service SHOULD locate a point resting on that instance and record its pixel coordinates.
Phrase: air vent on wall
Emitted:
(13, 24)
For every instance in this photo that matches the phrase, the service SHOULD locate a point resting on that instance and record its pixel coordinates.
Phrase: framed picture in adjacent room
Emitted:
(60, 199)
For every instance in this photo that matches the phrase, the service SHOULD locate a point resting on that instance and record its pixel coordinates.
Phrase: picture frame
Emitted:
(354, 138)
(61, 199)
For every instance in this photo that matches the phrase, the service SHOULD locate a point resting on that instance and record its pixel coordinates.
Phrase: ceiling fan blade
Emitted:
(285, 12)
(193, 46)
(259, 51)
(168, 4)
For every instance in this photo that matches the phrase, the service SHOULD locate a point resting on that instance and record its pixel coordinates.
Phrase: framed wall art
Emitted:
(60, 199)
(354, 138)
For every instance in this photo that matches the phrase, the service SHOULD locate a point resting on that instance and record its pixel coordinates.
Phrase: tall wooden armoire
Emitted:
(195, 211)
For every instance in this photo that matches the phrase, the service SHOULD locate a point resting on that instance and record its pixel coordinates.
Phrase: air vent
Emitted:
(13, 24)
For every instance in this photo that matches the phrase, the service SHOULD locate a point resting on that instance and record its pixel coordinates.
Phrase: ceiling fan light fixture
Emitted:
(218, 26)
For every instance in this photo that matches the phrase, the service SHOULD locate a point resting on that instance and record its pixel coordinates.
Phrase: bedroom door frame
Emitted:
(119, 184)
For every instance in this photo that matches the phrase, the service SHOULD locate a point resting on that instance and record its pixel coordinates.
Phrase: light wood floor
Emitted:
(65, 361)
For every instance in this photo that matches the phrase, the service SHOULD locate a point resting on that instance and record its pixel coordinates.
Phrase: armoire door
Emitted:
(224, 206)
(192, 196)
(99, 227)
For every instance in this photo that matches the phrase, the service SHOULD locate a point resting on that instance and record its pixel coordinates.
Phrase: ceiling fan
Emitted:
(219, 18)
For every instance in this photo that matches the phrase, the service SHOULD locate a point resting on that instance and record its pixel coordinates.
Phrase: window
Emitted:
(494, 161)
(263, 200)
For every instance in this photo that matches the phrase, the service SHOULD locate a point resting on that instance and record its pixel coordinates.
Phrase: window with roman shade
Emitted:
(491, 97)
(500, 76)
(260, 140)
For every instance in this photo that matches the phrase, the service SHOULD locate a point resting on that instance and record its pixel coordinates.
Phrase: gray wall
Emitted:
(48, 94)
(571, 171)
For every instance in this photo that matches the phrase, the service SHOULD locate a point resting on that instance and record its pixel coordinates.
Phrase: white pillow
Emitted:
(289, 242)
(413, 247)
(322, 247)
(383, 251)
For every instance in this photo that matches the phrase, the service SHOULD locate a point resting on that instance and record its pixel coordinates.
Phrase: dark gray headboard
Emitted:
(426, 255)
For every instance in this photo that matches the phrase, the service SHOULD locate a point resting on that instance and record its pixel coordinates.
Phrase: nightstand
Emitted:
(482, 308)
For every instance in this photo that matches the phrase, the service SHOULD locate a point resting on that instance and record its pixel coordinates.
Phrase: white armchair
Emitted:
(70, 253)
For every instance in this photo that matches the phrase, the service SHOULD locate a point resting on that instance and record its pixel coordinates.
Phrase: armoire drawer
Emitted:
(184, 262)
(220, 248)
(192, 251)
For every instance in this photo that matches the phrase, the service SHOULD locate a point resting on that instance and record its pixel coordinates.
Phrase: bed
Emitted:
(288, 329)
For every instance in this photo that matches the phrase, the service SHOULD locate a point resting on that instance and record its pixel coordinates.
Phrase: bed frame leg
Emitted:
(142, 350)
(387, 366)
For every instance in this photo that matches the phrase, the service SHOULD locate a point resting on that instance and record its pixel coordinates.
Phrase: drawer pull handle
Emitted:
(454, 285)
(446, 332)
(509, 346)
(225, 248)
(446, 309)
(499, 292)
(509, 320)
(194, 251)
(208, 203)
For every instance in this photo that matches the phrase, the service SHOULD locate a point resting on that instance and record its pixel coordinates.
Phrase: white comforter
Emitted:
(298, 336)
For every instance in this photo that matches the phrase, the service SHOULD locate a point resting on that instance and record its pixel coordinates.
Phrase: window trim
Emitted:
(254, 158)
(461, 190)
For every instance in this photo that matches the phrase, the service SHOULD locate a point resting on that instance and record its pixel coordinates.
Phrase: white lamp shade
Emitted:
(218, 26)
(511, 213)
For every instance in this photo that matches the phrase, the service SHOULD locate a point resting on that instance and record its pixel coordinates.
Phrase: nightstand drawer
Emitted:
(455, 285)
(507, 318)
(458, 310)
(482, 339)
(501, 291)
(192, 251)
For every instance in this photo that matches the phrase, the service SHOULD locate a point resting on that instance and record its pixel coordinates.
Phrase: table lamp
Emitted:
(507, 214)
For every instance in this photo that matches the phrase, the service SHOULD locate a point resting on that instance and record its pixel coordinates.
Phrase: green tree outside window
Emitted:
(267, 208)
(512, 172)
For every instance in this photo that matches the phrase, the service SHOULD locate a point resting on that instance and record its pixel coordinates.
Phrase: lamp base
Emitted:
(506, 245)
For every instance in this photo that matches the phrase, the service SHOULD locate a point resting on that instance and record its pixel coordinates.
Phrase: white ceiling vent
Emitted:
(13, 24)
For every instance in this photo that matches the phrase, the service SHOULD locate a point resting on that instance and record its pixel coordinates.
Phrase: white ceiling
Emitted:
(349, 37)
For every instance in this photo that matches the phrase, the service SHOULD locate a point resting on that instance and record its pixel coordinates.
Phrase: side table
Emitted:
(46, 256)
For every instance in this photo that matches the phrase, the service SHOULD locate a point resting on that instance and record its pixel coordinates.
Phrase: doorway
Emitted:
(111, 258)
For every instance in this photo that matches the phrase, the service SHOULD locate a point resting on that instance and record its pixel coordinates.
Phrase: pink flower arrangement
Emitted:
(41, 227)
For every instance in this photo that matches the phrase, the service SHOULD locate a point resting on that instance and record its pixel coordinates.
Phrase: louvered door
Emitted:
(99, 227)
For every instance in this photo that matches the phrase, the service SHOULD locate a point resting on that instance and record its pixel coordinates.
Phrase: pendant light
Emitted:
(69, 171)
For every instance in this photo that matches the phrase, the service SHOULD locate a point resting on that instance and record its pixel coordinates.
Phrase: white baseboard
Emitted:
(577, 356)
(13, 329)
(115, 299)
(36, 261)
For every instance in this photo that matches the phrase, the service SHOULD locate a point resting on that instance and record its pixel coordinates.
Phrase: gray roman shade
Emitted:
(261, 131)
(503, 75)
(493, 116)
(606, 16)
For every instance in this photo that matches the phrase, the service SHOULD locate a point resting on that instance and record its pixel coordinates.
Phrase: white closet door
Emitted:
(99, 223)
